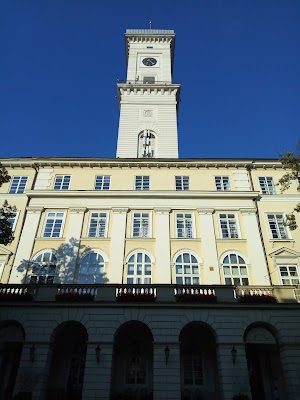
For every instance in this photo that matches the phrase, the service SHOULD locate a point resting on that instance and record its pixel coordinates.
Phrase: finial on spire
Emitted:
(150, 23)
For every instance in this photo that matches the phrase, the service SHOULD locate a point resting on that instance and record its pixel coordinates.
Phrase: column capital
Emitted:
(34, 210)
(249, 211)
(162, 210)
(206, 211)
(77, 210)
(120, 210)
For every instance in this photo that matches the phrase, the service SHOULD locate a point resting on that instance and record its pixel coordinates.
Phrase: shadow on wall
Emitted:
(70, 263)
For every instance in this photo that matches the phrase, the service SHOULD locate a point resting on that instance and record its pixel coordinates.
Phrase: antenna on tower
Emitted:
(150, 23)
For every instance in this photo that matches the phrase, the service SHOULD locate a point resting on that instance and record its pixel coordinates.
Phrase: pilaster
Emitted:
(163, 260)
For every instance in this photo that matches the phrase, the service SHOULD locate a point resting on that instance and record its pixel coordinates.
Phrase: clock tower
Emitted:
(148, 98)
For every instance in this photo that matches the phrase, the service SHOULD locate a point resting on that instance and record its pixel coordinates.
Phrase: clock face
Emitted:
(149, 61)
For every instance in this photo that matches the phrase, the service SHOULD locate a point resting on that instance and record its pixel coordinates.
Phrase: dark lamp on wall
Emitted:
(98, 351)
(233, 354)
(167, 354)
(32, 353)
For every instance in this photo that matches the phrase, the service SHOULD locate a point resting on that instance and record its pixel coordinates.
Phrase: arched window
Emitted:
(146, 144)
(235, 270)
(91, 268)
(187, 270)
(139, 268)
(43, 268)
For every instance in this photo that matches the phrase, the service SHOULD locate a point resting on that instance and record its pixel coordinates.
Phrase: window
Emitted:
(187, 270)
(267, 185)
(146, 144)
(235, 270)
(222, 183)
(149, 79)
(53, 224)
(91, 269)
(43, 268)
(102, 182)
(18, 184)
(184, 225)
(142, 183)
(182, 182)
(192, 368)
(141, 225)
(228, 226)
(139, 269)
(62, 182)
(277, 227)
(97, 225)
(289, 274)
(13, 220)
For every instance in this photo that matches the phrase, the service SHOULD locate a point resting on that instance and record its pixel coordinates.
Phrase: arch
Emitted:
(270, 330)
(187, 268)
(12, 336)
(43, 268)
(198, 361)
(68, 355)
(140, 249)
(147, 144)
(138, 268)
(227, 252)
(92, 267)
(132, 374)
(234, 268)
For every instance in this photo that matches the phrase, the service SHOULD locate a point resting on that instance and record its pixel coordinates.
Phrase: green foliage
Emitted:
(6, 233)
(4, 177)
(290, 161)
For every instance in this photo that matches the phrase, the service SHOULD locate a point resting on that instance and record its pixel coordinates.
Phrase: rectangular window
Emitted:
(53, 224)
(18, 184)
(289, 274)
(149, 79)
(182, 182)
(277, 227)
(141, 225)
(102, 182)
(267, 185)
(62, 182)
(13, 220)
(184, 225)
(222, 183)
(142, 183)
(228, 226)
(97, 225)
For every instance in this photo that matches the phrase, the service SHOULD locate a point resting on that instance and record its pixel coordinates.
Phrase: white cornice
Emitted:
(192, 194)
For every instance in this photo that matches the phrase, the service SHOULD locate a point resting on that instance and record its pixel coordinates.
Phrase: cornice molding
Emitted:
(248, 211)
(34, 210)
(162, 210)
(78, 210)
(206, 211)
(120, 210)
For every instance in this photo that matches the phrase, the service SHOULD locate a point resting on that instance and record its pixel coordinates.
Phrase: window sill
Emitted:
(282, 240)
(188, 239)
(95, 238)
(231, 239)
(140, 238)
(50, 238)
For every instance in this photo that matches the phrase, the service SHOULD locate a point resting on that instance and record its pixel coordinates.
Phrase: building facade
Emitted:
(148, 276)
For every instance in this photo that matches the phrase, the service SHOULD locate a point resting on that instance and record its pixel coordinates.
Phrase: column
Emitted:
(162, 233)
(233, 377)
(166, 378)
(255, 248)
(26, 242)
(117, 245)
(71, 247)
(209, 248)
(97, 376)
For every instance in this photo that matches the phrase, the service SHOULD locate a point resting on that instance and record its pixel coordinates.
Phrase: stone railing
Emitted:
(148, 293)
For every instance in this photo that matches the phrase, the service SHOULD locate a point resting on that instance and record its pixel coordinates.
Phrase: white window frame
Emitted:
(286, 235)
(289, 277)
(18, 184)
(45, 263)
(267, 185)
(17, 213)
(62, 182)
(238, 265)
(102, 264)
(103, 182)
(106, 224)
(184, 228)
(191, 275)
(143, 179)
(149, 224)
(135, 276)
(223, 181)
(228, 225)
(181, 184)
(62, 224)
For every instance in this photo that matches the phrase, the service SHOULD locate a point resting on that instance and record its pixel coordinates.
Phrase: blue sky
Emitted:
(238, 62)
